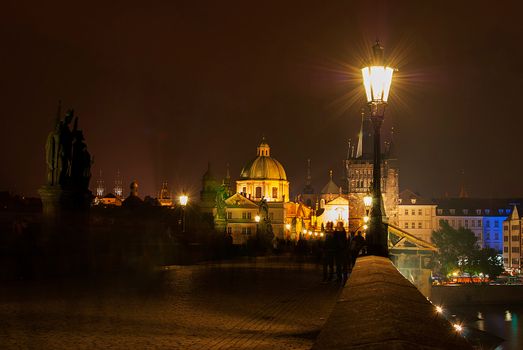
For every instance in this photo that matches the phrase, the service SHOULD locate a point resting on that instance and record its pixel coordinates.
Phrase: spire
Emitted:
(330, 174)
(463, 193)
(359, 151)
(514, 215)
(349, 150)
(391, 152)
(100, 188)
(118, 185)
(308, 189)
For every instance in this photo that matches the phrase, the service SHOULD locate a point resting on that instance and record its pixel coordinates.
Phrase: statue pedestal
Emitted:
(61, 204)
(220, 224)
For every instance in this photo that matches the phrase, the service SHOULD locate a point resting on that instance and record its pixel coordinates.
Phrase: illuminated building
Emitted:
(100, 188)
(118, 186)
(263, 178)
(417, 215)
(359, 171)
(512, 241)
(164, 197)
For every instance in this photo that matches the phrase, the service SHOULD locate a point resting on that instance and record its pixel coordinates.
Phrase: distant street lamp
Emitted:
(184, 199)
(377, 80)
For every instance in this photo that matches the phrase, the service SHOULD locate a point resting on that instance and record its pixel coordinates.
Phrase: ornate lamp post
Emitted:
(377, 79)
(183, 202)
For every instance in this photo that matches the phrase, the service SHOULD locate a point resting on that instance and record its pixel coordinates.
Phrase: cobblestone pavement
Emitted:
(252, 304)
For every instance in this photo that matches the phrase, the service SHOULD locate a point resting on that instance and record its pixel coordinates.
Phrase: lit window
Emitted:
(440, 211)
(275, 192)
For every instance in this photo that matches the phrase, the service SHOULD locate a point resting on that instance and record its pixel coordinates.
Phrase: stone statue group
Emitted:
(68, 161)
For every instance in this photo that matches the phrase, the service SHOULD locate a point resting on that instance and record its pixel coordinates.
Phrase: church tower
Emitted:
(359, 170)
(118, 186)
(100, 187)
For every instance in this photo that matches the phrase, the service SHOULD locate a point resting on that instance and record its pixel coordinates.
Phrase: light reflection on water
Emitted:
(500, 320)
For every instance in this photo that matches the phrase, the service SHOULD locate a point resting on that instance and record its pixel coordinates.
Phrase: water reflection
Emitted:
(501, 321)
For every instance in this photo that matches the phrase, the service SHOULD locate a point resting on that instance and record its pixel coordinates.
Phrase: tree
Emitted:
(458, 251)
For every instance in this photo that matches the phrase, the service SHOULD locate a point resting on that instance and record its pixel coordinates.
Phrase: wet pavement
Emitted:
(247, 304)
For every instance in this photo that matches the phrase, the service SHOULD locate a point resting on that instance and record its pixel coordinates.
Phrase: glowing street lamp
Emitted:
(377, 80)
(367, 201)
(184, 199)
(288, 227)
(257, 218)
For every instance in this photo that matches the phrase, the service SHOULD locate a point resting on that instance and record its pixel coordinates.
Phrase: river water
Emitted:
(505, 321)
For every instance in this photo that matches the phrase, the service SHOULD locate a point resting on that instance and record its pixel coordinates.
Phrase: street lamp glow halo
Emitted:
(257, 218)
(377, 81)
(184, 199)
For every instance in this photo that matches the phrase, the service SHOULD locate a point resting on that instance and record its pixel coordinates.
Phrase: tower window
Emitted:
(258, 193)
(275, 192)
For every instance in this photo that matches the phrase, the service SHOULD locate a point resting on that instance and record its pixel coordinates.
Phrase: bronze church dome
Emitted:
(263, 167)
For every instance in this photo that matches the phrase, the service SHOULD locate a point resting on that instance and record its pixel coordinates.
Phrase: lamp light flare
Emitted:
(184, 199)
(439, 309)
(377, 81)
(365, 219)
(458, 327)
(288, 226)
(257, 218)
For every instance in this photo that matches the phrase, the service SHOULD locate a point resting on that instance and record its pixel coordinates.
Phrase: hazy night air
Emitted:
(161, 89)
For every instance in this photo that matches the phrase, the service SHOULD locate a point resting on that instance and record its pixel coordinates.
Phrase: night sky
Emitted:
(161, 88)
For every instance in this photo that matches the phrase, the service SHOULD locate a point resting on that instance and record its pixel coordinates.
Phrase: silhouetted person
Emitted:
(356, 244)
(340, 256)
(329, 249)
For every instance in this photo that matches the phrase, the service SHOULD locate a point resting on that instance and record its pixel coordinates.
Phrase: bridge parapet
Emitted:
(380, 309)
